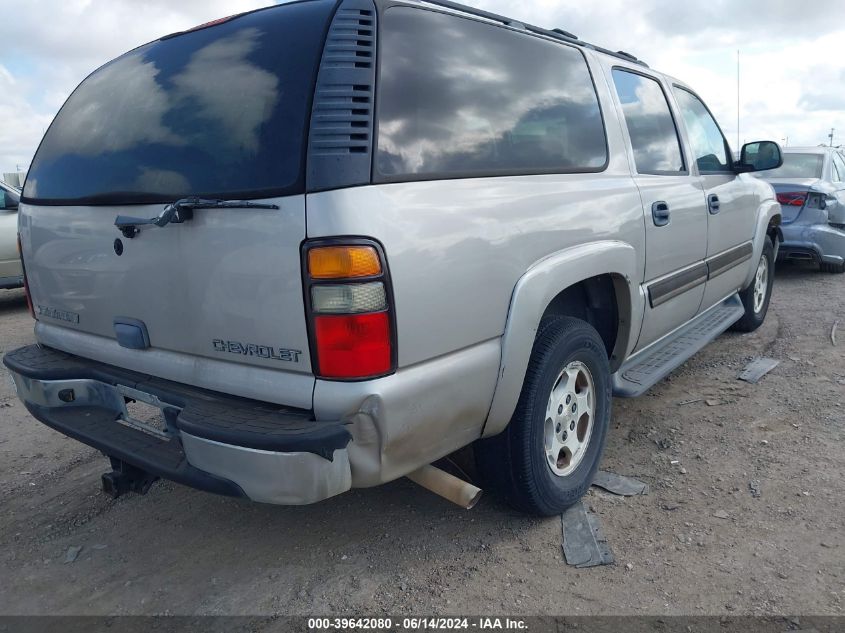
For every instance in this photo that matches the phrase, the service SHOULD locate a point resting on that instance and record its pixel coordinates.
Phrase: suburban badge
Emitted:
(60, 315)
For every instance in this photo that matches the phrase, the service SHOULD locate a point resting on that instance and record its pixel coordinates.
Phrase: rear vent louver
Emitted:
(340, 138)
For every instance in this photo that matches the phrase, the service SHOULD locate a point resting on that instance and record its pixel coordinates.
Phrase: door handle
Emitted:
(713, 204)
(660, 213)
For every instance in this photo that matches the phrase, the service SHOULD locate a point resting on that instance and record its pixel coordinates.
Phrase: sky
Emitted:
(792, 66)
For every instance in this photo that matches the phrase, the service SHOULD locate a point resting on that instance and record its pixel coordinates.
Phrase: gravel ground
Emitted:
(744, 515)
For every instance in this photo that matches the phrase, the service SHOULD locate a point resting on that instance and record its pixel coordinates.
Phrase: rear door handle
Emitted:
(660, 213)
(713, 204)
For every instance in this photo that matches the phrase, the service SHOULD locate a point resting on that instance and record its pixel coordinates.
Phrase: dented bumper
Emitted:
(208, 441)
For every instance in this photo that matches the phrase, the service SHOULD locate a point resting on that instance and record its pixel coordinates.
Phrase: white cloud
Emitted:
(21, 125)
(49, 47)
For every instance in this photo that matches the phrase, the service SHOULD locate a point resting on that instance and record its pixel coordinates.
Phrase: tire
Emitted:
(836, 269)
(755, 298)
(568, 354)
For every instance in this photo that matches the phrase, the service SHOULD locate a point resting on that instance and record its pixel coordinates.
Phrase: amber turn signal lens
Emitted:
(343, 262)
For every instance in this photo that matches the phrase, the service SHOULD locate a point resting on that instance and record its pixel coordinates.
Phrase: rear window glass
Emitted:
(221, 111)
(798, 166)
(460, 97)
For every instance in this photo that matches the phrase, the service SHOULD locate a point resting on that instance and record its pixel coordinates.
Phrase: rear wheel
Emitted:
(756, 297)
(546, 458)
(837, 269)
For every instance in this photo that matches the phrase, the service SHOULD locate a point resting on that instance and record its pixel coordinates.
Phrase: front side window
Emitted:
(710, 149)
(459, 97)
(651, 127)
(217, 112)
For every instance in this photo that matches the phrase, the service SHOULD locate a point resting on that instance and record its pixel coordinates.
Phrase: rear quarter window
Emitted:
(459, 97)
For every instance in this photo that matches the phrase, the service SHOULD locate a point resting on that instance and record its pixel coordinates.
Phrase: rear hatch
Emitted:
(220, 112)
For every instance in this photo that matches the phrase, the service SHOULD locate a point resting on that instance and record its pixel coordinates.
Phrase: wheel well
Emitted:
(594, 301)
(774, 231)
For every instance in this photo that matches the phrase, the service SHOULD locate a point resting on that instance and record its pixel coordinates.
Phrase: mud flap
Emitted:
(584, 542)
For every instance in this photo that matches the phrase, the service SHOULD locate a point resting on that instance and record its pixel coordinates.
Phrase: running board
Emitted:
(645, 369)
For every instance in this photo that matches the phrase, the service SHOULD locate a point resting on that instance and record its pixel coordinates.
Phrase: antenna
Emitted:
(830, 136)
(737, 99)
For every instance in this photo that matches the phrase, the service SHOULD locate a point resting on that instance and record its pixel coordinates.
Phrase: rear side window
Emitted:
(710, 149)
(654, 137)
(218, 112)
(458, 97)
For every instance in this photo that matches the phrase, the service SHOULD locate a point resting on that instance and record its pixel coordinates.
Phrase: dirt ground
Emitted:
(704, 441)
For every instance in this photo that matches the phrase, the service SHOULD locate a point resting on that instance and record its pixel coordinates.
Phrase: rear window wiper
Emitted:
(181, 210)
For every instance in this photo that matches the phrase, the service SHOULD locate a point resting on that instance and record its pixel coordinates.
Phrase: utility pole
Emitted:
(830, 136)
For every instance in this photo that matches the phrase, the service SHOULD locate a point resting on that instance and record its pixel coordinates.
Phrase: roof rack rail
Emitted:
(627, 56)
(565, 33)
(558, 34)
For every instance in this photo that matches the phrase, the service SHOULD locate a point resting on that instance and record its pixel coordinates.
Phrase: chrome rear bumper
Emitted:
(208, 441)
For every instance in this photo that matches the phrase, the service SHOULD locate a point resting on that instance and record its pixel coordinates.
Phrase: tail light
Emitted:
(348, 300)
(25, 282)
(792, 198)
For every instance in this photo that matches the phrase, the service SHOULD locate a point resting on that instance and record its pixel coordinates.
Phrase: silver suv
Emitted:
(325, 244)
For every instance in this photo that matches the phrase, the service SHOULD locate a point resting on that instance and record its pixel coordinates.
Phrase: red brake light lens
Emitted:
(347, 292)
(792, 198)
(354, 345)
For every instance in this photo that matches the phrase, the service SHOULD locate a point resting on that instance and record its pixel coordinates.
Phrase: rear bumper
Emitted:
(212, 442)
(819, 242)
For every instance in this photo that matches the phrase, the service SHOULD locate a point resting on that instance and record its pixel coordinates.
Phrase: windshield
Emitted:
(217, 112)
(798, 166)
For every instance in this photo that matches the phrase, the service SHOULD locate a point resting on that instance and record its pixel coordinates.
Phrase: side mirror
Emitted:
(759, 156)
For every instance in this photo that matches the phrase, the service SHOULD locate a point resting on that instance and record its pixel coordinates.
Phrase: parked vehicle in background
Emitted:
(349, 270)
(11, 273)
(810, 187)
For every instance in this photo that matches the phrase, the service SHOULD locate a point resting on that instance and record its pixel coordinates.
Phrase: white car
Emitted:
(11, 272)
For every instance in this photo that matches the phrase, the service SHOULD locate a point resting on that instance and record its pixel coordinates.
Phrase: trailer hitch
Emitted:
(126, 478)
